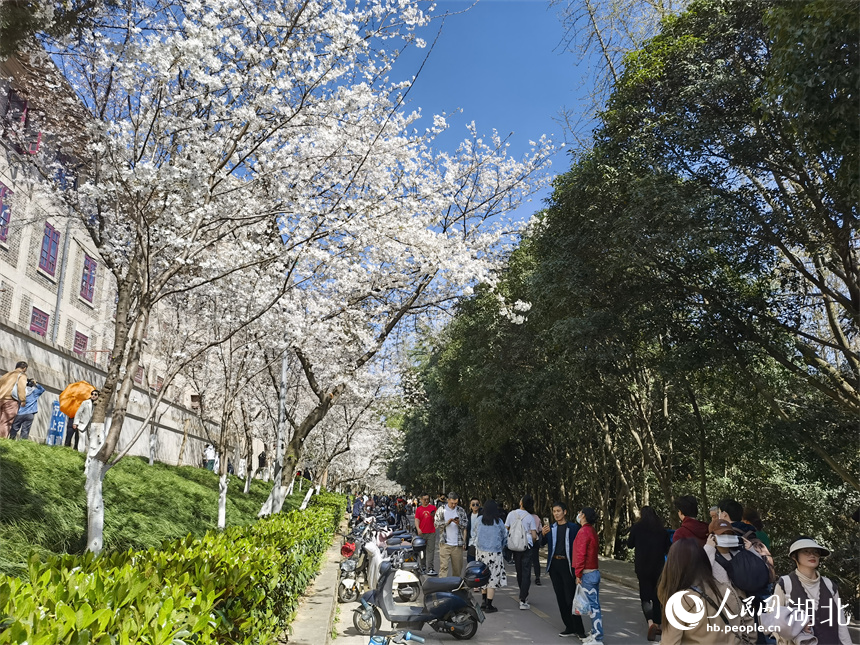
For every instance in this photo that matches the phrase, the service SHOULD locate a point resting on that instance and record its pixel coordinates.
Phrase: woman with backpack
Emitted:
(490, 537)
(804, 584)
(585, 569)
(688, 570)
(650, 541)
(522, 534)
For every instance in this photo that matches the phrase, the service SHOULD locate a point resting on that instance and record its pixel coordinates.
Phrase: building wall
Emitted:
(56, 367)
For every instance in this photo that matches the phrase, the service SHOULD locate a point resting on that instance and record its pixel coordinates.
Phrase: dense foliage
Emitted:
(44, 505)
(684, 317)
(241, 585)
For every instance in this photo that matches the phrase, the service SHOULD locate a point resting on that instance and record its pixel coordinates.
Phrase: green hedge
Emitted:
(239, 586)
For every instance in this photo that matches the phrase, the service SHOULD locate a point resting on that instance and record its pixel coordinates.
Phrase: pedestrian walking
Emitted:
(13, 394)
(752, 517)
(24, 419)
(650, 542)
(425, 527)
(522, 535)
(806, 588)
(474, 513)
(81, 422)
(209, 457)
(691, 527)
(559, 539)
(450, 522)
(490, 537)
(586, 571)
(535, 554)
(733, 512)
(689, 570)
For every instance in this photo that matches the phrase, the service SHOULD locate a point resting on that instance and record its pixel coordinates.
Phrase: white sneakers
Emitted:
(592, 639)
(525, 605)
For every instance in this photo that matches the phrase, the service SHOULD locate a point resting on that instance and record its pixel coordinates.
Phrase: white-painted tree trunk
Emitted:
(248, 478)
(153, 444)
(95, 473)
(222, 500)
(307, 498)
(275, 501)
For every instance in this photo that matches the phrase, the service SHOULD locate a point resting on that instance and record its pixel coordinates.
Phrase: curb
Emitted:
(624, 581)
(315, 615)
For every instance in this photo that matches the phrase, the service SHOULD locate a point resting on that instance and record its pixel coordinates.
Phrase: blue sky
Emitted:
(502, 63)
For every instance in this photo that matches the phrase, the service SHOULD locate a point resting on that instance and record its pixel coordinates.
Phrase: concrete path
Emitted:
(622, 618)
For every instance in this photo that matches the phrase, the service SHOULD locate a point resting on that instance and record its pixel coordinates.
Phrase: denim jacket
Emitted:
(491, 539)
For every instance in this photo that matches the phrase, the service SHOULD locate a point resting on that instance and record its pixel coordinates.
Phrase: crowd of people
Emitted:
(724, 565)
(490, 534)
(19, 404)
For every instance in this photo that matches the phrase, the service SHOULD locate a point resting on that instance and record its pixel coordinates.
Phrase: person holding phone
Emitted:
(559, 540)
(450, 522)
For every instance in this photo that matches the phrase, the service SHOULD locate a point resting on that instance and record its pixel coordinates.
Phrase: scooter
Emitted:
(363, 572)
(448, 606)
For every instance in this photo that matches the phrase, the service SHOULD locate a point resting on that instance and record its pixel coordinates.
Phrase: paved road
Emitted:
(622, 619)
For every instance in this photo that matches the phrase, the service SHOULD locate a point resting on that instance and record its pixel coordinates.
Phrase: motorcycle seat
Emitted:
(431, 585)
(390, 550)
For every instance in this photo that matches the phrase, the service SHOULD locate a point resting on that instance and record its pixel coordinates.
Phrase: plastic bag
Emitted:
(581, 606)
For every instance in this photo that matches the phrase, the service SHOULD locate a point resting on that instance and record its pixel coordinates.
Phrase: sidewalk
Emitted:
(315, 615)
(620, 572)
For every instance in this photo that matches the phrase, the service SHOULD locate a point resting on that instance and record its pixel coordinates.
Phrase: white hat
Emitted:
(807, 543)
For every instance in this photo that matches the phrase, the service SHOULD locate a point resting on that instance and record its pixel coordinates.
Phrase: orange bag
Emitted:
(72, 397)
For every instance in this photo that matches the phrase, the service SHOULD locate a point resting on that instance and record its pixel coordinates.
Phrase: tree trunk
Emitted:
(222, 498)
(95, 505)
(153, 442)
(185, 425)
(275, 502)
(700, 422)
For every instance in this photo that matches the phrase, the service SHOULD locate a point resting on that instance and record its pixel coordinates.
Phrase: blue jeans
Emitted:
(591, 584)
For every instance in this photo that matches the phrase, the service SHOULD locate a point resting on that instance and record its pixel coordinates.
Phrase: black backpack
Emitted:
(747, 571)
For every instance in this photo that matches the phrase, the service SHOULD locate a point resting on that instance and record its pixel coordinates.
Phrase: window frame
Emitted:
(34, 327)
(88, 278)
(82, 350)
(50, 243)
(5, 211)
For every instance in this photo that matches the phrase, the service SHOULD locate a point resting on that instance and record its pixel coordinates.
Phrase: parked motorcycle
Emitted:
(448, 605)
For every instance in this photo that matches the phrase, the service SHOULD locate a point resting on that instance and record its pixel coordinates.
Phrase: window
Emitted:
(50, 246)
(80, 343)
(18, 118)
(39, 322)
(138, 375)
(195, 402)
(5, 211)
(159, 381)
(88, 279)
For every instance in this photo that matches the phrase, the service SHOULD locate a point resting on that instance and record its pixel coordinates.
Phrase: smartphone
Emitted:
(546, 521)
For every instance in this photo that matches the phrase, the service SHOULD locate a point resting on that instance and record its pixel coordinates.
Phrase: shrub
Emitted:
(239, 586)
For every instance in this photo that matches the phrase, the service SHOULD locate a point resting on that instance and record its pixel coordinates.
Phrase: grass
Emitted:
(43, 504)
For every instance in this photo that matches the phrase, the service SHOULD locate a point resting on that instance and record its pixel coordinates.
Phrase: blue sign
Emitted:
(57, 426)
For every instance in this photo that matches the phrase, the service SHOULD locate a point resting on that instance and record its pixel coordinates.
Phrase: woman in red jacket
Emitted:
(587, 574)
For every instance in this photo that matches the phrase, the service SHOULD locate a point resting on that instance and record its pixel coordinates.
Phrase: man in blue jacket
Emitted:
(24, 418)
(559, 565)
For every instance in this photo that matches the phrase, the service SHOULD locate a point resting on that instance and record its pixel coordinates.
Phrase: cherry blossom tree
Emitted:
(227, 139)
